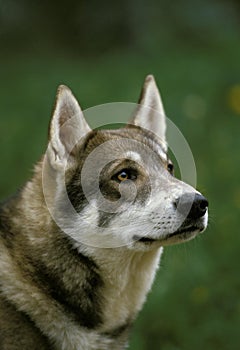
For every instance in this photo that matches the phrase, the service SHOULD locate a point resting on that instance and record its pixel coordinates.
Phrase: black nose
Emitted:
(193, 206)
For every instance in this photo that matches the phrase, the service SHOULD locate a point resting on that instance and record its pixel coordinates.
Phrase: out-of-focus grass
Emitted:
(195, 300)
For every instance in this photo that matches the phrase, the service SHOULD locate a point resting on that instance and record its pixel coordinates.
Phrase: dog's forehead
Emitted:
(131, 143)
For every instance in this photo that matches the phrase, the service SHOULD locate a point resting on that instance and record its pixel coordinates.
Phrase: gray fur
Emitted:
(56, 291)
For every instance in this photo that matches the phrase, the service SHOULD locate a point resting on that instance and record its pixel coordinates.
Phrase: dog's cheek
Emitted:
(76, 195)
(110, 191)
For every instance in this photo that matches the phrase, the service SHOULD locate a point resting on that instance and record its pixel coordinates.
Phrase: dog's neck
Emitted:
(128, 277)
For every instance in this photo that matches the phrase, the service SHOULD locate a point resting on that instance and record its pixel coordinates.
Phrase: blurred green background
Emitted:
(103, 50)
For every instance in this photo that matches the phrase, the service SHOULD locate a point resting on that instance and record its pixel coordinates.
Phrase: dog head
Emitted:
(111, 188)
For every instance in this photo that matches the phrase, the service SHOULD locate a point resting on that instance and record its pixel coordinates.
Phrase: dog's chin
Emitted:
(184, 233)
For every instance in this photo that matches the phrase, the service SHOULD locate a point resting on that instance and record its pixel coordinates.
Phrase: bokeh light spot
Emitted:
(233, 98)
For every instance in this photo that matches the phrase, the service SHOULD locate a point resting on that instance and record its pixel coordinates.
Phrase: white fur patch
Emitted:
(133, 155)
(161, 152)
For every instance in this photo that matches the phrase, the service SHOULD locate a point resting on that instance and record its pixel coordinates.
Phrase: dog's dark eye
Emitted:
(170, 168)
(125, 174)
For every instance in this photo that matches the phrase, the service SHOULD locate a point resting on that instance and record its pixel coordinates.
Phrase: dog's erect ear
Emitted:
(150, 113)
(67, 127)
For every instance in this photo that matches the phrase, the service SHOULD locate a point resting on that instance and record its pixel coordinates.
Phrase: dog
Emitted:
(81, 242)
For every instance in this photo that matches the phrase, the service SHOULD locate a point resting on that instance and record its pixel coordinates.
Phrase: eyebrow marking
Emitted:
(133, 155)
(162, 153)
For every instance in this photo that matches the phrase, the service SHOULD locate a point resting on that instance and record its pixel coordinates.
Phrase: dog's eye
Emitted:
(170, 168)
(123, 176)
(126, 174)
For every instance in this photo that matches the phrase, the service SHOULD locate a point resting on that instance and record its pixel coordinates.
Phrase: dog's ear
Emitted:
(67, 127)
(150, 113)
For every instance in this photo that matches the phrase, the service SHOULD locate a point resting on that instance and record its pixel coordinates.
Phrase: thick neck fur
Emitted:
(128, 277)
(98, 289)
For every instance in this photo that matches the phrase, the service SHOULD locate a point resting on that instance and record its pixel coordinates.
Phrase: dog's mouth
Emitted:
(185, 231)
(182, 233)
